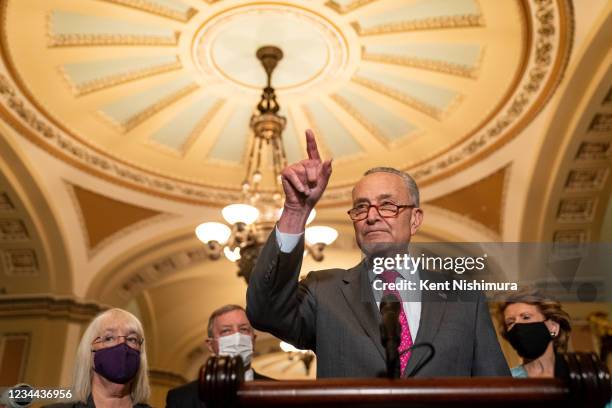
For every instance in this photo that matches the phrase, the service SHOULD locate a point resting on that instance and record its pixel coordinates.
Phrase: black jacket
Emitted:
(186, 396)
(89, 404)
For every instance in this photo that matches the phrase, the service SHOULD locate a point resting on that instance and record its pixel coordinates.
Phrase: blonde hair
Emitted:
(83, 367)
(550, 308)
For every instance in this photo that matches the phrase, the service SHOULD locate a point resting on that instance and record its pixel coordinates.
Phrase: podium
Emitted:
(221, 384)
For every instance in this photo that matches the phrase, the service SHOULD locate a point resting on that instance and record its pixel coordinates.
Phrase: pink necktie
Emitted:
(406, 337)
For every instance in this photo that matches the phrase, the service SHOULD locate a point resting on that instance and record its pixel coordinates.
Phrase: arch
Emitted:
(569, 127)
(45, 232)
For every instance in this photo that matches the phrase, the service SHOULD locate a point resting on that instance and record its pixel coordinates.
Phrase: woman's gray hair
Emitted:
(411, 185)
(83, 367)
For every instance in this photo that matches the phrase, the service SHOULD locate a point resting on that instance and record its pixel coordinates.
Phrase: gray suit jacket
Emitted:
(333, 313)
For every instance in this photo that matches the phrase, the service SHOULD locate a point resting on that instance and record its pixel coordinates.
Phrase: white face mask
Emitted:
(237, 344)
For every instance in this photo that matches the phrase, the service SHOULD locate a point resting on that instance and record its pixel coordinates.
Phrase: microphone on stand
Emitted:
(432, 353)
(390, 332)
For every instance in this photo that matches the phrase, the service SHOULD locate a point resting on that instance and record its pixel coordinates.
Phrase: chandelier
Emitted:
(253, 219)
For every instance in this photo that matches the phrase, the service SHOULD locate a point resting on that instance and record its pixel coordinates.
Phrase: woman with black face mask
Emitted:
(538, 329)
(111, 364)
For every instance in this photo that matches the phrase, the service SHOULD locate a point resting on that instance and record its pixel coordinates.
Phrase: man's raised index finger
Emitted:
(311, 146)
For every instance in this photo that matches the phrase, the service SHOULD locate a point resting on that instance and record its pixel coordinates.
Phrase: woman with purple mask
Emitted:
(111, 364)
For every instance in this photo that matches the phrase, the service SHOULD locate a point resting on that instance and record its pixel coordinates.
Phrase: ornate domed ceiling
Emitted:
(157, 94)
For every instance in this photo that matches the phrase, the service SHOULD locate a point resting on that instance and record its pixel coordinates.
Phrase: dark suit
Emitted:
(333, 313)
(187, 395)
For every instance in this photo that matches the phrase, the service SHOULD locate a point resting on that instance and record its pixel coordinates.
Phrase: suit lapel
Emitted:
(432, 311)
(358, 294)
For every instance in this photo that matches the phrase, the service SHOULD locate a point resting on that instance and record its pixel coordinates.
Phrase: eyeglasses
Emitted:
(386, 210)
(131, 340)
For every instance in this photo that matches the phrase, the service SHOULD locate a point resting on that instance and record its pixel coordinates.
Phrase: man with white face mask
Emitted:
(229, 334)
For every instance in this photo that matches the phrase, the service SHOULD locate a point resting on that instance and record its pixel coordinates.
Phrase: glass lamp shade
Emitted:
(288, 348)
(245, 213)
(320, 235)
(213, 231)
(234, 255)
(311, 216)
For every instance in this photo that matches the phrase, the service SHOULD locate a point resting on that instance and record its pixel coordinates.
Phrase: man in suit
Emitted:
(229, 333)
(335, 312)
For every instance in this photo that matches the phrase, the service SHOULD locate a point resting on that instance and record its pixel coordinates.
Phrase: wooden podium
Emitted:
(221, 385)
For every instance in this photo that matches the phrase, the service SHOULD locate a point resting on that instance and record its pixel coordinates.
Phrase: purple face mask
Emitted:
(118, 364)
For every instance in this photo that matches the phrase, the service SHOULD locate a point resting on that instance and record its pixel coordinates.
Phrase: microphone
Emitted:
(432, 353)
(390, 332)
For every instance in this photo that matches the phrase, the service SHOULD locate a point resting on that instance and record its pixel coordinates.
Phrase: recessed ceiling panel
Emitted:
(158, 94)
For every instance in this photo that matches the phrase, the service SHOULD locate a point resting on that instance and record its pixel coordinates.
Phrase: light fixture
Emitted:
(317, 238)
(253, 219)
(293, 353)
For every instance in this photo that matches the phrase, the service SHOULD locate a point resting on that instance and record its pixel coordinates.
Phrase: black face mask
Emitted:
(529, 339)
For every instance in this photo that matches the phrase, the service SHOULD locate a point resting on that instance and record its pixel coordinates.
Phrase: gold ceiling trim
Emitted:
(49, 307)
(462, 21)
(63, 40)
(110, 81)
(421, 63)
(156, 9)
(91, 161)
(331, 32)
(543, 76)
(78, 39)
(461, 155)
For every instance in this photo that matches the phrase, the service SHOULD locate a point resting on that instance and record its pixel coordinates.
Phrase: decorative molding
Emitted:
(343, 9)
(13, 230)
(20, 262)
(544, 61)
(113, 80)
(602, 122)
(581, 180)
(169, 264)
(64, 40)
(18, 107)
(594, 151)
(422, 63)
(140, 117)
(155, 8)
(433, 23)
(543, 67)
(336, 43)
(81, 39)
(406, 99)
(50, 307)
(577, 236)
(579, 209)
